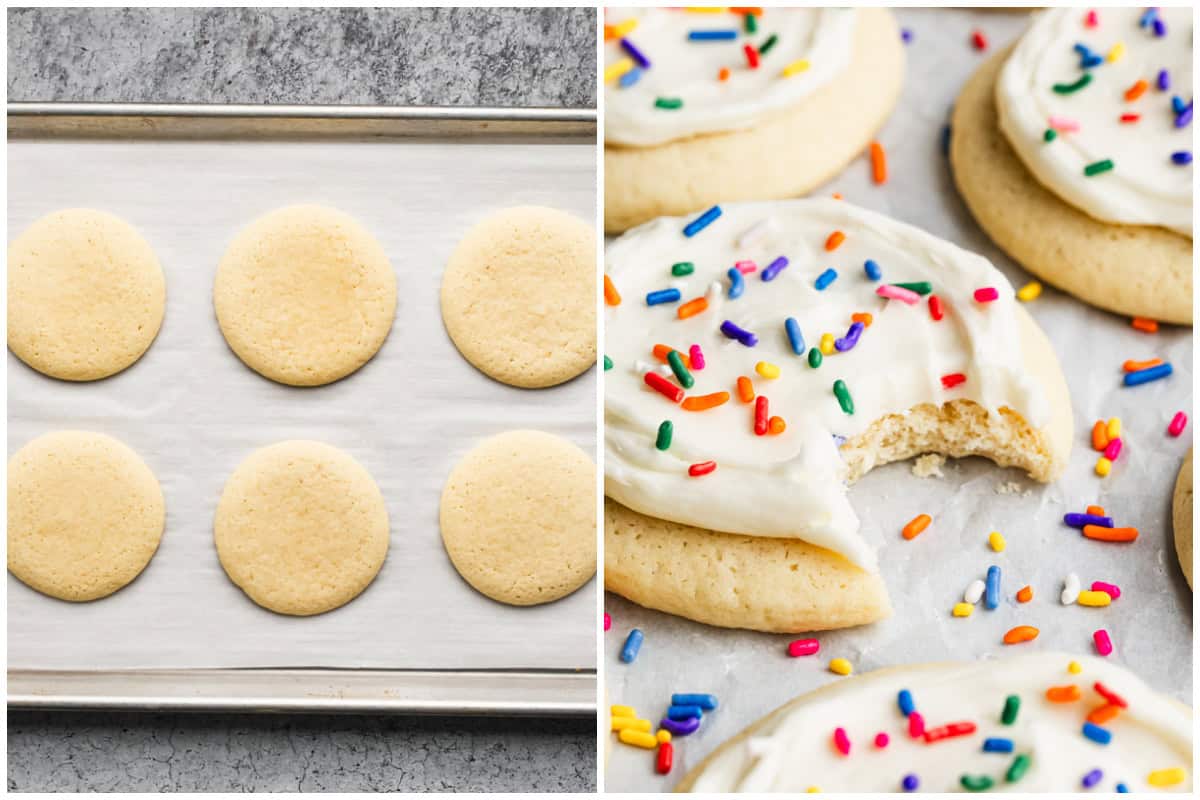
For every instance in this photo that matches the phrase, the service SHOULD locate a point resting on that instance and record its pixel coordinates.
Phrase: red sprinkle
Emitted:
(702, 468)
(664, 387)
(1130, 117)
(804, 647)
(762, 419)
(1091, 20)
(986, 295)
(979, 40)
(751, 56)
(916, 725)
(1109, 695)
(841, 741)
(949, 731)
(666, 757)
(881, 740)
(953, 379)
(935, 307)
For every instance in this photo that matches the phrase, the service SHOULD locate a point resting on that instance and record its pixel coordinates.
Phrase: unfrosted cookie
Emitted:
(301, 528)
(780, 151)
(85, 515)
(86, 295)
(305, 295)
(1128, 269)
(518, 517)
(1181, 508)
(519, 296)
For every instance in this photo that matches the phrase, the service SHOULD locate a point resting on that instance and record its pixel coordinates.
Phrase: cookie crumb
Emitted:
(929, 466)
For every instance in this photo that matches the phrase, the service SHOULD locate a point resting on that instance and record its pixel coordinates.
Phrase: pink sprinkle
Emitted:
(1113, 590)
(841, 741)
(916, 725)
(1113, 450)
(1063, 124)
(898, 293)
(696, 356)
(1091, 20)
(1103, 643)
(804, 647)
(607, 621)
(986, 295)
(745, 267)
(881, 740)
(1178, 423)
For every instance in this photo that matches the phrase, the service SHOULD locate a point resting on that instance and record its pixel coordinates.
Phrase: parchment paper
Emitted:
(193, 411)
(1151, 624)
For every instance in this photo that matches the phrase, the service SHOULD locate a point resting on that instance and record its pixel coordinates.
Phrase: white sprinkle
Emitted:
(641, 367)
(974, 592)
(756, 233)
(1070, 592)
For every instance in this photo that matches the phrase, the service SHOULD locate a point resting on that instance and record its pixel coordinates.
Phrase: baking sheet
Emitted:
(1151, 624)
(193, 411)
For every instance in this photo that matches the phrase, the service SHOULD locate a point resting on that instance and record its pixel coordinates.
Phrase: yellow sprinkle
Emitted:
(1114, 428)
(638, 739)
(1030, 291)
(1103, 465)
(812, 790)
(622, 29)
(766, 369)
(996, 540)
(1167, 777)
(841, 666)
(1117, 51)
(622, 711)
(827, 344)
(614, 71)
(630, 724)
(963, 609)
(1074, 668)
(799, 65)
(704, 9)
(1094, 599)
(663, 736)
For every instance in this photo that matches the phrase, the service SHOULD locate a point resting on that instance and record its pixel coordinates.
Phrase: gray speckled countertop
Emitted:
(500, 57)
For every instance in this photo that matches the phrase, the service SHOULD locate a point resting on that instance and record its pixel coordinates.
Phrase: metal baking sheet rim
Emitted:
(477, 693)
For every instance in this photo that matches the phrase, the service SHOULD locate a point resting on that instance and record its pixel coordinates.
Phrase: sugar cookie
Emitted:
(1181, 514)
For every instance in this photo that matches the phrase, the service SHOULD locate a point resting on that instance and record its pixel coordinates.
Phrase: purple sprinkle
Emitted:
(1182, 157)
(734, 332)
(1185, 116)
(851, 338)
(1079, 520)
(634, 53)
(1092, 778)
(681, 727)
(1164, 80)
(906, 35)
(772, 270)
(1160, 27)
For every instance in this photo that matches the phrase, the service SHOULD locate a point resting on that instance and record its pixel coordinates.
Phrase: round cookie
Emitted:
(518, 517)
(519, 296)
(301, 528)
(305, 295)
(86, 295)
(1181, 514)
(787, 155)
(1127, 269)
(85, 515)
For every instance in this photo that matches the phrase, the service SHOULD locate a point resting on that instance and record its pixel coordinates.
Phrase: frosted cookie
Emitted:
(86, 295)
(708, 108)
(85, 515)
(984, 725)
(1181, 513)
(301, 528)
(807, 341)
(1074, 161)
(305, 295)
(518, 517)
(519, 296)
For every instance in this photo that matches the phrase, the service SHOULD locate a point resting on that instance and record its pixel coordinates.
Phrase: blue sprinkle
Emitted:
(1164, 80)
(737, 284)
(825, 278)
(684, 712)
(850, 339)
(663, 296)
(991, 597)
(1182, 157)
(637, 55)
(872, 269)
(1079, 520)
(773, 269)
(632, 645)
(712, 36)
(734, 332)
(910, 783)
(1122, 788)
(1092, 778)
(1147, 375)
(707, 702)
(997, 745)
(906, 35)
(905, 701)
(1093, 60)
(1177, 104)
(795, 337)
(630, 78)
(1096, 733)
(1148, 16)
(701, 222)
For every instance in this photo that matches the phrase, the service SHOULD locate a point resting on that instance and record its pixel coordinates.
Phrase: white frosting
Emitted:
(1145, 187)
(792, 485)
(795, 751)
(688, 70)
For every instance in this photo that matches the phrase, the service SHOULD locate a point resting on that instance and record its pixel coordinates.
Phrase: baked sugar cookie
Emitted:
(1132, 269)
(793, 375)
(85, 515)
(679, 137)
(1181, 514)
(986, 725)
(86, 295)
(305, 295)
(518, 517)
(519, 296)
(301, 528)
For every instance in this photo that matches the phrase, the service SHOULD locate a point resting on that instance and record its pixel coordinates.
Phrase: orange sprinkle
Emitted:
(692, 307)
(705, 401)
(723, 74)
(1096, 511)
(1147, 325)
(661, 351)
(1102, 714)
(834, 241)
(914, 527)
(1110, 534)
(745, 389)
(878, 163)
(1100, 435)
(863, 317)
(611, 295)
(776, 425)
(1021, 633)
(1134, 366)
(1063, 694)
(755, 10)
(1136, 91)
(837, 195)
(610, 33)
(1025, 595)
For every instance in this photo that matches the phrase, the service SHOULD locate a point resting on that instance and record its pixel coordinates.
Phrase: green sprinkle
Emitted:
(843, 396)
(920, 287)
(768, 44)
(1068, 88)
(1050, 135)
(607, 363)
(683, 268)
(1012, 704)
(1096, 167)
(751, 23)
(1017, 770)
(681, 372)
(814, 357)
(668, 103)
(665, 430)
(976, 783)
